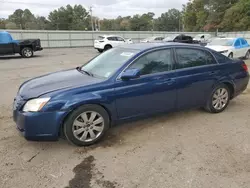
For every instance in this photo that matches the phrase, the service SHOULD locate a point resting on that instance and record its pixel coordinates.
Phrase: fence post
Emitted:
(70, 42)
(48, 39)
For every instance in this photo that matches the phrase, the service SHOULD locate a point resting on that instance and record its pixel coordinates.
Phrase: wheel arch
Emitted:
(60, 129)
(231, 88)
(108, 45)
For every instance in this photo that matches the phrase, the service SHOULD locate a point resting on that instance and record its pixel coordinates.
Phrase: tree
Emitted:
(2, 23)
(237, 18)
(23, 19)
(69, 18)
(217, 11)
(11, 25)
(142, 22)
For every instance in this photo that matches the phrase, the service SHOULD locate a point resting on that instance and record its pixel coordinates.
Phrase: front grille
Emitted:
(18, 103)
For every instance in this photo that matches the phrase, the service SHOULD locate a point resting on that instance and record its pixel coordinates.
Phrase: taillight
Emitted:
(101, 41)
(244, 66)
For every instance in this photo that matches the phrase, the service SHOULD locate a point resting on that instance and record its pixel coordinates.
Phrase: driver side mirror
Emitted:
(130, 74)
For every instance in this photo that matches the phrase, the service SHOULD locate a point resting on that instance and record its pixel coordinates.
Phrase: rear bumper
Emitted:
(241, 85)
(98, 46)
(39, 125)
(38, 49)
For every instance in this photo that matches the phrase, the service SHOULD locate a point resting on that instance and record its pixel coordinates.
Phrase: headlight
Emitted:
(35, 105)
(222, 52)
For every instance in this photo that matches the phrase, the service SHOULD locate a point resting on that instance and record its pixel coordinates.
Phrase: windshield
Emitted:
(150, 38)
(170, 38)
(222, 42)
(108, 62)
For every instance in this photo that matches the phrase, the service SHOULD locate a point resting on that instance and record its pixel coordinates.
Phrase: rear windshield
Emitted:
(101, 37)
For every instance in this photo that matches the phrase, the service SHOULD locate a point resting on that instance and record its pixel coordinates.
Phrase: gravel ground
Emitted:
(188, 149)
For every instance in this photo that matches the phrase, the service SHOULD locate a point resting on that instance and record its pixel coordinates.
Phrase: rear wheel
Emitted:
(247, 56)
(100, 50)
(27, 52)
(86, 125)
(107, 47)
(231, 55)
(219, 99)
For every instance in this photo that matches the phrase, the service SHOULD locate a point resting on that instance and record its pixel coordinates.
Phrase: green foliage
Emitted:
(169, 21)
(196, 15)
(237, 18)
(69, 18)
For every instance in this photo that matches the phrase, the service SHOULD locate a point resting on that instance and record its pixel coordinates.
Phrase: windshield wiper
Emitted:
(86, 72)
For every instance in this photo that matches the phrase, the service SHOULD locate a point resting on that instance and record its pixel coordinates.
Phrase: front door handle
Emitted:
(212, 73)
(169, 81)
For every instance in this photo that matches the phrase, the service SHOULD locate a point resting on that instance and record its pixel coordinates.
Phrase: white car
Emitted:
(152, 39)
(203, 38)
(106, 42)
(231, 47)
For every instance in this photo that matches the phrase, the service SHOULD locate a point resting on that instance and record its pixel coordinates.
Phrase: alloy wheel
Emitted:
(220, 98)
(88, 126)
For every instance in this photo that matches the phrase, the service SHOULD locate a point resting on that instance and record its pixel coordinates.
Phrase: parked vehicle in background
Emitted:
(231, 47)
(152, 39)
(124, 83)
(181, 38)
(26, 48)
(203, 38)
(106, 42)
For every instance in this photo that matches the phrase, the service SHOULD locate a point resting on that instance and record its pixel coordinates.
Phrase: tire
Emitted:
(80, 121)
(107, 47)
(231, 55)
(223, 94)
(27, 52)
(247, 56)
(100, 50)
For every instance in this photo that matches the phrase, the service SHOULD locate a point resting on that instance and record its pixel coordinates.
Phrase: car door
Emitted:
(113, 41)
(245, 47)
(196, 72)
(6, 44)
(237, 52)
(120, 40)
(153, 91)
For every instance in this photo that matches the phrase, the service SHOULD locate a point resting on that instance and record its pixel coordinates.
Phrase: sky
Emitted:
(101, 8)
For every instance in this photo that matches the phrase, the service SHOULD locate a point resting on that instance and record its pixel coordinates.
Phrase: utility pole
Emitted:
(90, 10)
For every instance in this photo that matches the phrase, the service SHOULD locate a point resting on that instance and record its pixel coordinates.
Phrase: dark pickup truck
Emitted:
(25, 48)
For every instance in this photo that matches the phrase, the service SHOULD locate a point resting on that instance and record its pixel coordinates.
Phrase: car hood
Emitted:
(55, 81)
(219, 48)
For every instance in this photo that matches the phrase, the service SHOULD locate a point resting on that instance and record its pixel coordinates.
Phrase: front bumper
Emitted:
(39, 125)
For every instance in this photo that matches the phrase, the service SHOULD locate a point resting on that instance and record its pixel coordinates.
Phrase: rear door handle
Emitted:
(212, 73)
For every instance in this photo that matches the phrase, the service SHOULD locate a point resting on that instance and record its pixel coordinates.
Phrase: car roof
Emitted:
(110, 36)
(148, 46)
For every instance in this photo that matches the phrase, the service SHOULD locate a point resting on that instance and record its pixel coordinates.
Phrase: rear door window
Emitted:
(187, 58)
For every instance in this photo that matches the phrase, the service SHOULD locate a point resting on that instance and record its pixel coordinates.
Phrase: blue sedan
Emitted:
(125, 83)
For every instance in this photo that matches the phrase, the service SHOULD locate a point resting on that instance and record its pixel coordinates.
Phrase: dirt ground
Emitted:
(190, 149)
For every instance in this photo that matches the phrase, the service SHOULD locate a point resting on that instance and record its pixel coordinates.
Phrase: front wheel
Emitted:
(27, 52)
(231, 55)
(86, 125)
(219, 99)
(100, 50)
